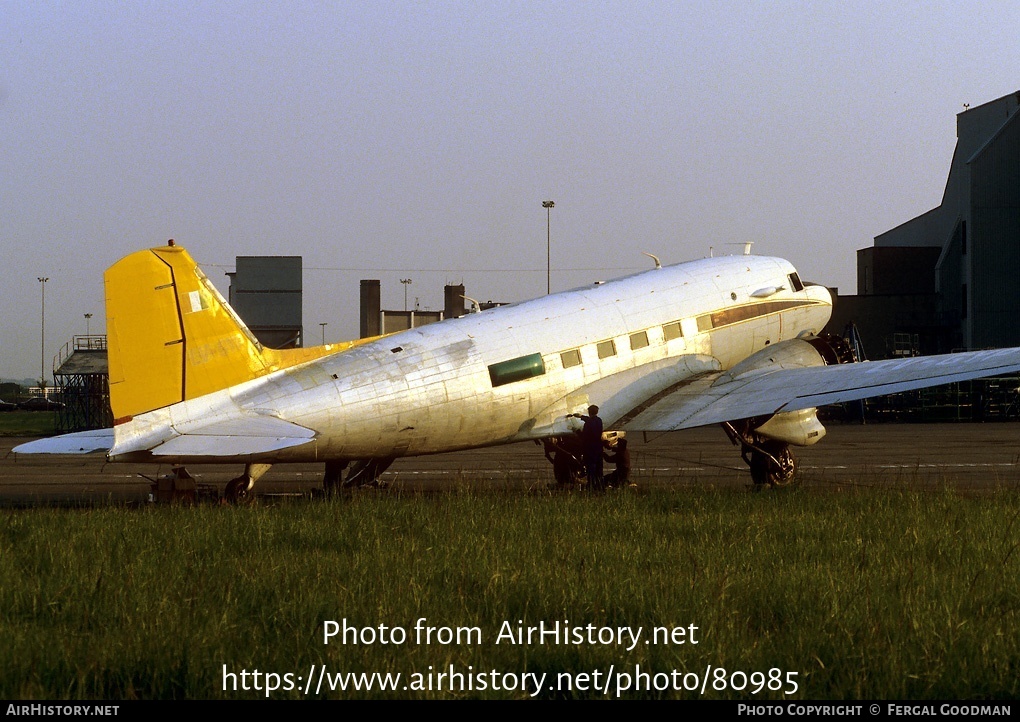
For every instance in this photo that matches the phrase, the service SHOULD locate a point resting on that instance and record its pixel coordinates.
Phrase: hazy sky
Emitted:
(397, 139)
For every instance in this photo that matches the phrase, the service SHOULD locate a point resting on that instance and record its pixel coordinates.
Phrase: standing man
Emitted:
(591, 443)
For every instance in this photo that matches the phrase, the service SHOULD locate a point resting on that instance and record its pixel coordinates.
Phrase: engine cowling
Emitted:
(799, 428)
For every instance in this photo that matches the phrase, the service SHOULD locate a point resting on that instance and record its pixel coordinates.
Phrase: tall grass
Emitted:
(865, 594)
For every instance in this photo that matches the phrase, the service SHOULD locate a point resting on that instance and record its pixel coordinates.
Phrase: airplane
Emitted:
(730, 340)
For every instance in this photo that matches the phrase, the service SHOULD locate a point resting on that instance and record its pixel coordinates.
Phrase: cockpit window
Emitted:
(795, 282)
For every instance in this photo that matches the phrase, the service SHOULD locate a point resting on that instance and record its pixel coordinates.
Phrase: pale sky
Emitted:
(418, 139)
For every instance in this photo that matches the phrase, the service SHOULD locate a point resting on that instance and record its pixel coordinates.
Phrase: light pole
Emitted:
(42, 334)
(548, 205)
(322, 325)
(88, 317)
(406, 282)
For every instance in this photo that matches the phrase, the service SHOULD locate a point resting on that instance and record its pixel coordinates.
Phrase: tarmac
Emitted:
(974, 457)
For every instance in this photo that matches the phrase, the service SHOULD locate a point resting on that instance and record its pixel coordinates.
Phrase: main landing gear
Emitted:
(772, 463)
(364, 472)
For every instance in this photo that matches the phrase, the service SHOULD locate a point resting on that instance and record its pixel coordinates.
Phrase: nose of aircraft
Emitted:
(820, 293)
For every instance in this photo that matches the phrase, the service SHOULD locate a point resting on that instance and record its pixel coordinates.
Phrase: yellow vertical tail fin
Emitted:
(172, 336)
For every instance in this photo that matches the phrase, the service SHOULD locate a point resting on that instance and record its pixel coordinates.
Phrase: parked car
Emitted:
(40, 403)
(7, 406)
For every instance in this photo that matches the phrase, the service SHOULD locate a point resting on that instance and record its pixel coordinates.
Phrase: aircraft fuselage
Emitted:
(512, 373)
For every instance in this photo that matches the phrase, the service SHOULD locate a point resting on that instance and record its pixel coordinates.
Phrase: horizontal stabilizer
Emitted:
(761, 393)
(81, 442)
(235, 437)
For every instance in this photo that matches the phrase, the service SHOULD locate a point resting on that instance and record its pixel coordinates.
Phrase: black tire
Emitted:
(766, 472)
(237, 489)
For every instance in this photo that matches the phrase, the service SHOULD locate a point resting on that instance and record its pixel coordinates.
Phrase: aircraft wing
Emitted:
(766, 391)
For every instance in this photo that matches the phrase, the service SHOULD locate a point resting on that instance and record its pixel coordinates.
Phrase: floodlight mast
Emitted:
(42, 336)
(407, 282)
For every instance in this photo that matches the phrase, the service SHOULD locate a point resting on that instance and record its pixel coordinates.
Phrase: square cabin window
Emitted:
(571, 358)
(638, 340)
(606, 349)
(671, 331)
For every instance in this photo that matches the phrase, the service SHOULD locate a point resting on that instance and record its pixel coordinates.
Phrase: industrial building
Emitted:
(948, 279)
(265, 291)
(376, 320)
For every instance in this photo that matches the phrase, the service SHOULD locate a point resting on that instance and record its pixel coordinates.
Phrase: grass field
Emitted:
(28, 423)
(863, 594)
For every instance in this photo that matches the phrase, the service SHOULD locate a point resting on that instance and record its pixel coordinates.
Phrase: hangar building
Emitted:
(950, 278)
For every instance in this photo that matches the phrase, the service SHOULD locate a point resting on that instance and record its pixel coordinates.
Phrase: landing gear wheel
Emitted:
(237, 489)
(772, 466)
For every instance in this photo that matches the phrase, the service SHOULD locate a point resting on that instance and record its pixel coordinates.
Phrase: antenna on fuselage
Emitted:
(654, 258)
(746, 244)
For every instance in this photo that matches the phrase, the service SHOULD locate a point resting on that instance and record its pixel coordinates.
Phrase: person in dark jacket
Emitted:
(621, 475)
(591, 443)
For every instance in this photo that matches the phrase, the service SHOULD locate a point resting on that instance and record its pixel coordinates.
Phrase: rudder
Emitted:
(170, 334)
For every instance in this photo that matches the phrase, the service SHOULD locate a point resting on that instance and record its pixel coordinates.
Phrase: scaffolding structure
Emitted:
(82, 372)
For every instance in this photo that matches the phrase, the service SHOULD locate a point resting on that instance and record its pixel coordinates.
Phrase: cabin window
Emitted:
(606, 349)
(705, 322)
(517, 369)
(638, 340)
(571, 358)
(671, 331)
(795, 282)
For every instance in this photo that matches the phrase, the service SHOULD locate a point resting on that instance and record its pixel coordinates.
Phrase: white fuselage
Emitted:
(513, 373)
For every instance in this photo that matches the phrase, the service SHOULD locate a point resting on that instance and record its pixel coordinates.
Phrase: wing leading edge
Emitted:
(762, 392)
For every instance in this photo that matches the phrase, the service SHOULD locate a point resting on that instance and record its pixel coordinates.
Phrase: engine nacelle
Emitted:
(799, 428)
